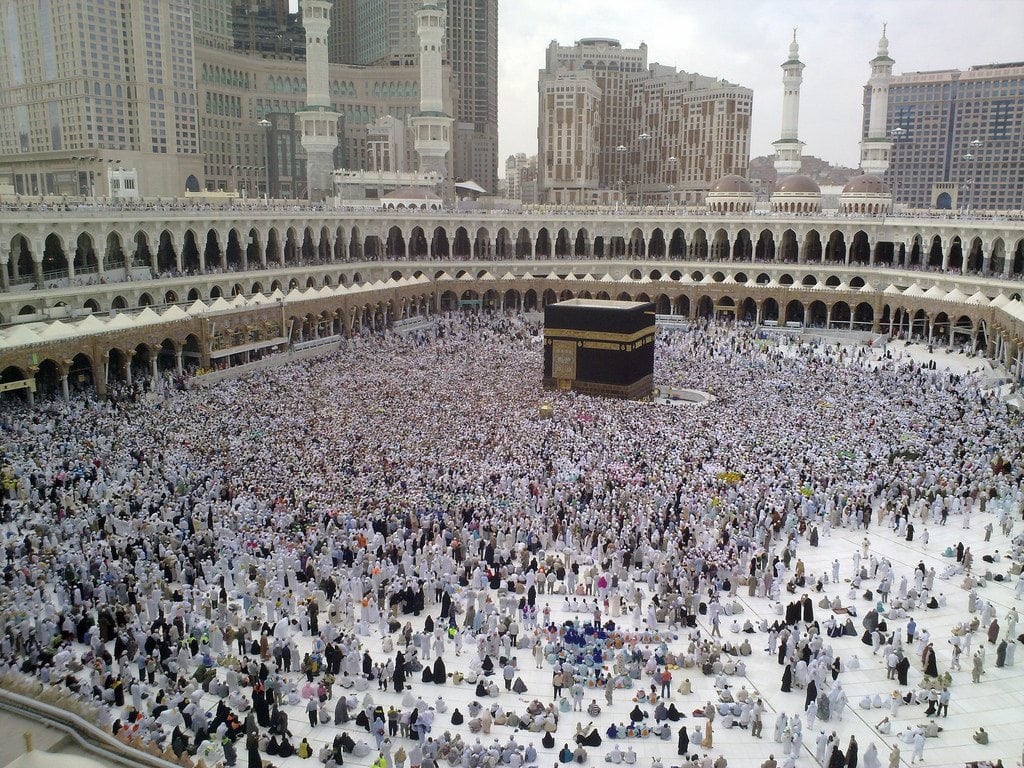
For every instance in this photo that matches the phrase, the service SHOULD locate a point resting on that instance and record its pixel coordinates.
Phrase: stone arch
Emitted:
(274, 252)
(974, 262)
(699, 249)
(581, 246)
(417, 244)
(142, 256)
(765, 248)
(54, 259)
(394, 248)
(794, 312)
(145, 299)
(656, 247)
(563, 245)
(677, 244)
(864, 316)
(20, 267)
(254, 254)
(440, 246)
(860, 249)
(524, 244)
(504, 248)
(835, 248)
(308, 248)
(233, 252)
(637, 245)
(747, 311)
(840, 313)
(213, 253)
(817, 314)
(543, 248)
(461, 246)
(190, 253)
(682, 305)
(482, 248)
(812, 251)
(720, 246)
(742, 250)
(85, 260)
(705, 308)
(935, 252)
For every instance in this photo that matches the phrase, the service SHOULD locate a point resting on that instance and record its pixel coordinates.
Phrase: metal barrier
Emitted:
(88, 736)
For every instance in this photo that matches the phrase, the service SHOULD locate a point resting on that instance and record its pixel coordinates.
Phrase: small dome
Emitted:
(866, 184)
(798, 185)
(731, 183)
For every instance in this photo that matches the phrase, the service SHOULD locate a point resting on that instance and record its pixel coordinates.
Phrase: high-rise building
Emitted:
(266, 27)
(384, 33)
(957, 137)
(612, 126)
(91, 85)
(473, 53)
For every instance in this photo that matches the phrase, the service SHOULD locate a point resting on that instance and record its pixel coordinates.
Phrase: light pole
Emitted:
(266, 125)
(643, 138)
(621, 152)
(970, 157)
(897, 134)
(673, 167)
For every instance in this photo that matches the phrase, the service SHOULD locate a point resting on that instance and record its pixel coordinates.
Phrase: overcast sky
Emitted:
(744, 41)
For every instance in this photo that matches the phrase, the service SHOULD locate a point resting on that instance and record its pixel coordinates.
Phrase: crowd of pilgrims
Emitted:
(316, 538)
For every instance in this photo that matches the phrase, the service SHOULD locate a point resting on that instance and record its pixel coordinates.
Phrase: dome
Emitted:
(798, 185)
(732, 184)
(866, 184)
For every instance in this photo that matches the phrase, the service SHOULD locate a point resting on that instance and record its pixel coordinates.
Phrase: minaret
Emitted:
(875, 149)
(788, 148)
(319, 121)
(432, 125)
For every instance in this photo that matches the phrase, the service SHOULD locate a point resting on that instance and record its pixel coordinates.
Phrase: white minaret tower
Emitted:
(875, 149)
(789, 148)
(432, 125)
(319, 121)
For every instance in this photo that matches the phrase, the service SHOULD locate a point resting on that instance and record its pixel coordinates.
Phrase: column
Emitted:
(152, 368)
(986, 258)
(264, 239)
(1007, 264)
(871, 253)
(947, 253)
(5, 281)
(64, 387)
(807, 315)
(37, 267)
(533, 247)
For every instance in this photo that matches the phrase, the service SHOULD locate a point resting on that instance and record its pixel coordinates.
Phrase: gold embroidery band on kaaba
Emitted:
(568, 333)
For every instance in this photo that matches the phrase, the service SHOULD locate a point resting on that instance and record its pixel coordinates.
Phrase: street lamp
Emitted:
(266, 126)
(643, 138)
(673, 166)
(621, 151)
(897, 134)
(970, 157)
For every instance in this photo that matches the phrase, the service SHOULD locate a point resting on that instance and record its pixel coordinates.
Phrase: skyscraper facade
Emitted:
(93, 84)
(957, 137)
(473, 53)
(383, 33)
(611, 127)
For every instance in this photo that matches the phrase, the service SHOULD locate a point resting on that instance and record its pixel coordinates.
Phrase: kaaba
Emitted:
(601, 348)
